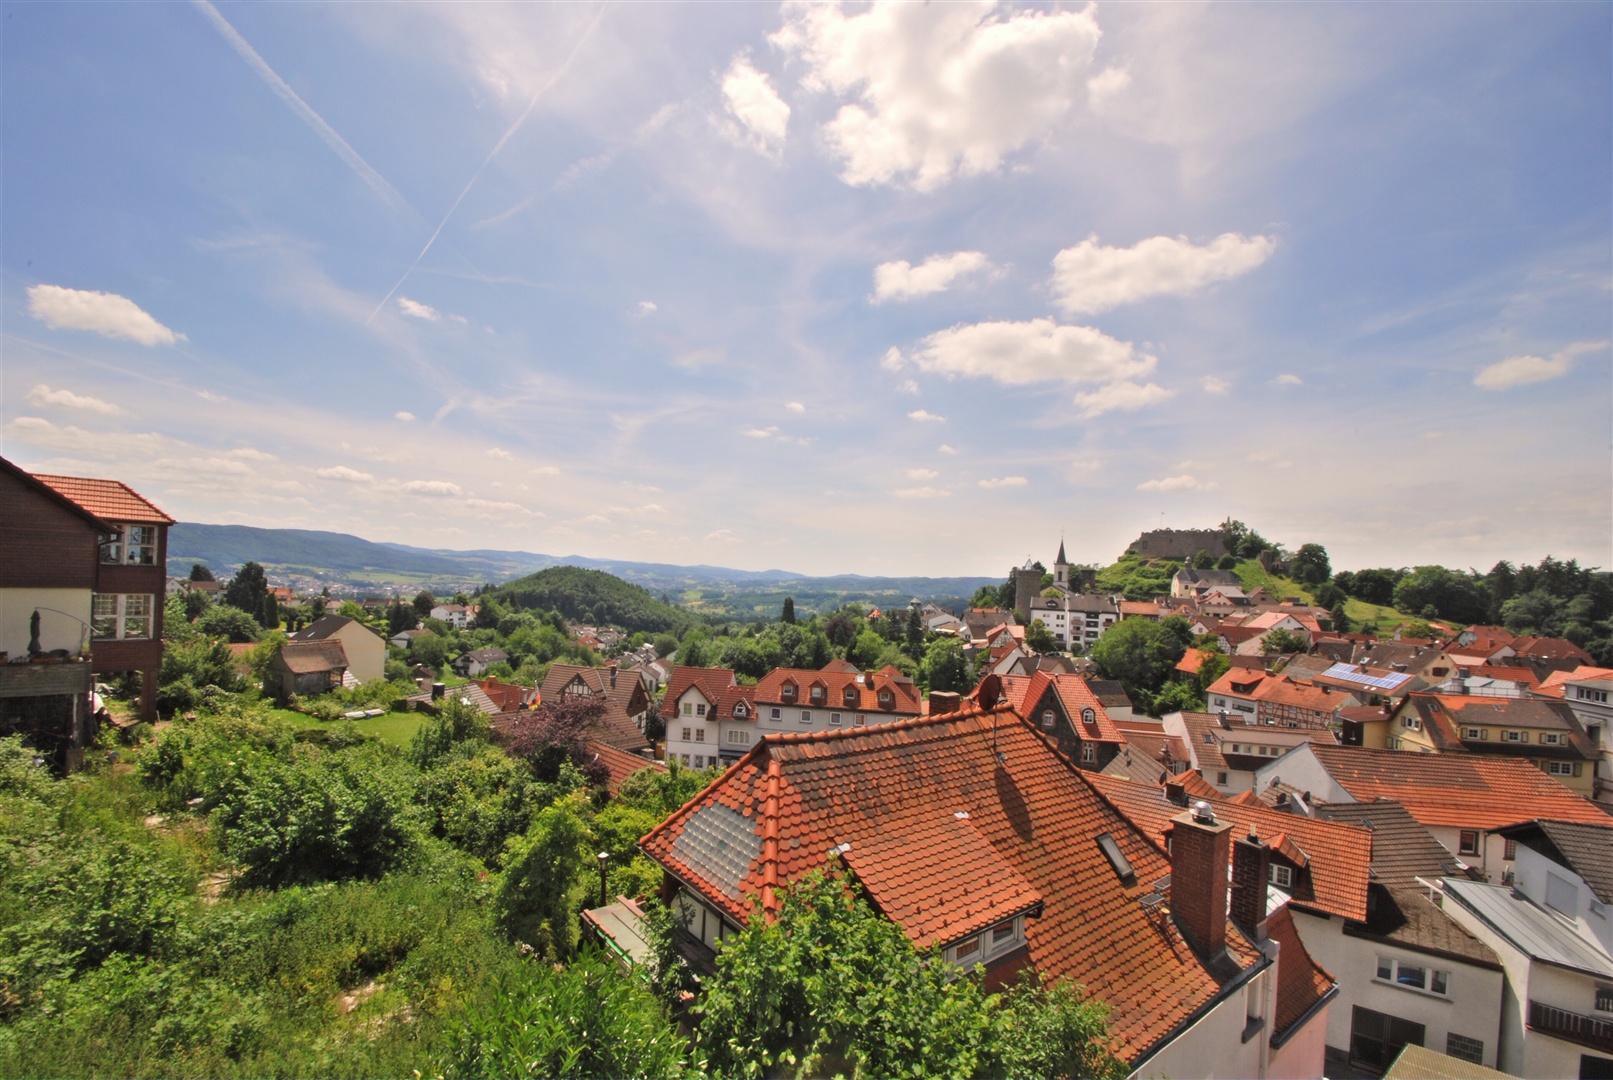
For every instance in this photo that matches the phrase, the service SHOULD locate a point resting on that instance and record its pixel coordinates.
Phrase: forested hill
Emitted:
(592, 596)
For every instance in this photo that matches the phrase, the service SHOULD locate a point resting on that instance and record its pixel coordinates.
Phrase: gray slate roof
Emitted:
(1530, 929)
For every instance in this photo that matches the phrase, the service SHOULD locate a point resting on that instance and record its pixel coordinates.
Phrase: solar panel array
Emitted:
(1348, 673)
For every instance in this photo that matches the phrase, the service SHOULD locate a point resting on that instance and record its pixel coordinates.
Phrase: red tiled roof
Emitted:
(110, 499)
(1547, 648)
(1192, 660)
(1455, 790)
(783, 809)
(619, 764)
(717, 685)
(1555, 683)
(1340, 856)
(1301, 981)
(904, 695)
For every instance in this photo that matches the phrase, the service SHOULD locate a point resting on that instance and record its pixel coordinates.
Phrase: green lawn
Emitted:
(393, 728)
(1254, 576)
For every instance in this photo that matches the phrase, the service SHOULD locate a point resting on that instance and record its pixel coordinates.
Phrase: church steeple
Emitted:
(1061, 560)
(1061, 566)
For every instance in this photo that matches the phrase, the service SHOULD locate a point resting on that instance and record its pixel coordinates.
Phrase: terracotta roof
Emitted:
(781, 811)
(1444, 716)
(1337, 856)
(1555, 683)
(1455, 790)
(112, 500)
(1550, 648)
(619, 764)
(716, 685)
(1192, 660)
(616, 726)
(1301, 981)
(1402, 848)
(309, 657)
(510, 696)
(1204, 735)
(904, 694)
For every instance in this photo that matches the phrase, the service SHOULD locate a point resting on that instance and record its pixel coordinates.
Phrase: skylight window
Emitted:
(1117, 859)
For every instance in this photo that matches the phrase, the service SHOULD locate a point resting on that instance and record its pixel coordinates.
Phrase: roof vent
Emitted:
(840, 849)
(1203, 814)
(962, 815)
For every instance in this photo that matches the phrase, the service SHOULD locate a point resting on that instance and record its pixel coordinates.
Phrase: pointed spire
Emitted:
(1061, 560)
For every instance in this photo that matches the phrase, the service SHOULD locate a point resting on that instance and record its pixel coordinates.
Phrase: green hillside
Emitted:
(593, 596)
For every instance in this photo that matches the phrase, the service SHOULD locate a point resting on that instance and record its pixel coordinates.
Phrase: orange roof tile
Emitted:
(866, 690)
(1340, 856)
(110, 499)
(1301, 981)
(785, 807)
(1555, 683)
(619, 764)
(1464, 791)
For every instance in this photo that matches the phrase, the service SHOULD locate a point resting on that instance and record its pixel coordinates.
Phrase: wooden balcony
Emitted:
(1571, 1026)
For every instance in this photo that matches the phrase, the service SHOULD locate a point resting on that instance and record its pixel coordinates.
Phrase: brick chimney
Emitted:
(1250, 859)
(1200, 846)
(944, 701)
(612, 669)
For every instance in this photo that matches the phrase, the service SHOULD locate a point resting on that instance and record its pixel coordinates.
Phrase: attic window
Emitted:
(1280, 875)
(1088, 716)
(884, 698)
(850, 694)
(787, 691)
(1117, 859)
(1047, 718)
(817, 693)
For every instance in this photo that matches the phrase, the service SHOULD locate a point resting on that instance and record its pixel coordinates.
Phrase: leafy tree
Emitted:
(830, 981)
(478, 797)
(987, 596)
(788, 614)
(1179, 695)
(1328, 595)
(1310, 565)
(554, 733)
(1038, 638)
(271, 612)
(229, 622)
(247, 590)
(456, 723)
(188, 667)
(545, 880)
(424, 602)
(945, 668)
(915, 630)
(1374, 586)
(198, 572)
(400, 617)
(665, 645)
(841, 630)
(1340, 618)
(193, 605)
(1141, 653)
(1226, 562)
(1281, 641)
(1203, 561)
(1451, 595)
(430, 649)
(488, 614)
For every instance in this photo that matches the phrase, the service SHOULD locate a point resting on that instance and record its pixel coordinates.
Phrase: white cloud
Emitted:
(107, 314)
(749, 97)
(1106, 86)
(761, 433)
(431, 487)
(1121, 396)
(925, 492)
(251, 454)
(940, 89)
(44, 396)
(922, 474)
(404, 416)
(893, 359)
(907, 386)
(418, 310)
(1193, 463)
(1081, 469)
(498, 452)
(1089, 277)
(1004, 481)
(1184, 482)
(208, 395)
(795, 407)
(1523, 370)
(901, 280)
(1287, 379)
(501, 507)
(547, 470)
(646, 307)
(1020, 353)
(1213, 385)
(344, 474)
(945, 449)
(722, 536)
(925, 415)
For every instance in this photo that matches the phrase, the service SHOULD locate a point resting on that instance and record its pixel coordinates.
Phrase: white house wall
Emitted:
(1473, 1008)
(1213, 1048)
(56, 631)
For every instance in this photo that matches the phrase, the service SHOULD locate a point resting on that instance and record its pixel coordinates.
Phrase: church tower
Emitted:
(1061, 568)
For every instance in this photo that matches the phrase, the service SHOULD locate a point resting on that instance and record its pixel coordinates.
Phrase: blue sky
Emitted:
(887, 290)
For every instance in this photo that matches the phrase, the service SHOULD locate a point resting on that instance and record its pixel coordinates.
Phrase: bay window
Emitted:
(131, 545)
(121, 616)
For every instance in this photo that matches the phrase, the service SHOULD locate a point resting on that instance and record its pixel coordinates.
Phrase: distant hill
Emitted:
(593, 596)
(717, 592)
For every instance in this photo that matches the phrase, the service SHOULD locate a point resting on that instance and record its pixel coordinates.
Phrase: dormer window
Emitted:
(885, 699)
(817, 694)
(850, 695)
(788, 691)
(740, 710)
(1088, 716)
(1280, 875)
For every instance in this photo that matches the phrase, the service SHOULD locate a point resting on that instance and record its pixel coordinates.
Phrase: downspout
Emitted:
(1268, 1002)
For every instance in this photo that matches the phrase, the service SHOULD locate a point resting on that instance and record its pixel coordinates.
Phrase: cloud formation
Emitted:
(345, 475)
(1004, 481)
(1185, 482)
(1288, 379)
(940, 90)
(1120, 397)
(1213, 385)
(901, 280)
(1090, 278)
(417, 310)
(749, 97)
(404, 416)
(925, 492)
(925, 416)
(107, 314)
(1523, 370)
(1022, 353)
(43, 396)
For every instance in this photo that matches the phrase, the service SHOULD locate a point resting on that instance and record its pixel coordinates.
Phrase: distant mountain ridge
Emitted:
(344, 558)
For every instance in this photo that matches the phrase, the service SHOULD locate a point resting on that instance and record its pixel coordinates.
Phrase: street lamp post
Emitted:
(604, 857)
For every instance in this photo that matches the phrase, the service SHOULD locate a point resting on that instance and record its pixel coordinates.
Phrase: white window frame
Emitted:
(127, 621)
(1462, 845)
(699, 734)
(1551, 738)
(1048, 717)
(700, 708)
(834, 718)
(1515, 736)
(131, 545)
(1280, 875)
(1427, 979)
(806, 716)
(688, 708)
(775, 716)
(739, 738)
(686, 736)
(1089, 753)
(1560, 768)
